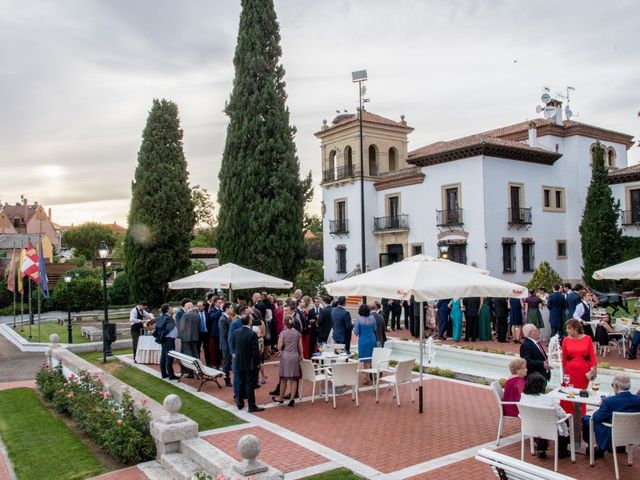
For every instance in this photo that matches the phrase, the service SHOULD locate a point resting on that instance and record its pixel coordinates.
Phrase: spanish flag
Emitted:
(23, 255)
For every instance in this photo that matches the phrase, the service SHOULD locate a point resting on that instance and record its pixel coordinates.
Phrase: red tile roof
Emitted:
(204, 251)
(367, 117)
(623, 175)
(115, 228)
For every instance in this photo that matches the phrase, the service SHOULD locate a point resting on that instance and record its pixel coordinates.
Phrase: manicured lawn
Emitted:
(206, 415)
(48, 328)
(338, 474)
(40, 445)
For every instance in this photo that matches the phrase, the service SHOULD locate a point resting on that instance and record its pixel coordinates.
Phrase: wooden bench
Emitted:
(507, 468)
(202, 372)
(95, 333)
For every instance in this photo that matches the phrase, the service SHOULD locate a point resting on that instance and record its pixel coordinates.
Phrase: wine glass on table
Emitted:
(595, 386)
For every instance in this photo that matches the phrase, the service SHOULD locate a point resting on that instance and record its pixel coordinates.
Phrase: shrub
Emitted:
(310, 277)
(121, 432)
(544, 276)
(120, 293)
(85, 293)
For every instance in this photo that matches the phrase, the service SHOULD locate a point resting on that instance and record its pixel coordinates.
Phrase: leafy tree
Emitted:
(544, 276)
(600, 236)
(310, 277)
(202, 207)
(161, 216)
(261, 195)
(204, 237)
(313, 224)
(85, 293)
(120, 291)
(86, 238)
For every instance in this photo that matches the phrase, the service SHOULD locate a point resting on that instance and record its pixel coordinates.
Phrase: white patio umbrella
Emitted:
(230, 276)
(426, 279)
(625, 270)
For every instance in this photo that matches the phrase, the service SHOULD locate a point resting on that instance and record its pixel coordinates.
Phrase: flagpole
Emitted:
(39, 308)
(21, 304)
(13, 270)
(30, 309)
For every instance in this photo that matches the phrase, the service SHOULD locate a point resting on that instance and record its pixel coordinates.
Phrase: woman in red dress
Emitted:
(578, 360)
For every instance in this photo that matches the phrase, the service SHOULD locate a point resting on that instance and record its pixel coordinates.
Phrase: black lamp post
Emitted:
(103, 252)
(359, 77)
(67, 282)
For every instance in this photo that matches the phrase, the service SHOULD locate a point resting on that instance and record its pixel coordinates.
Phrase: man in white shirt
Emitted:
(137, 317)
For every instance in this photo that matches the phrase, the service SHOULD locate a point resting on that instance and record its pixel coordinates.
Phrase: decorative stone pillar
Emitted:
(169, 430)
(53, 338)
(249, 447)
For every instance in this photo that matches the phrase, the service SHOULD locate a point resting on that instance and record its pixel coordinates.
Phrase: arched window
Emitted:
(611, 157)
(393, 156)
(373, 160)
(348, 160)
(331, 164)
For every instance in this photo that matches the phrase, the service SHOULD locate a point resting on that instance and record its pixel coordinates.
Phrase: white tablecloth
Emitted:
(148, 350)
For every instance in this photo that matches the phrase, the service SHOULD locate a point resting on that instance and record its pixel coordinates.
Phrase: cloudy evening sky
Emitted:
(77, 78)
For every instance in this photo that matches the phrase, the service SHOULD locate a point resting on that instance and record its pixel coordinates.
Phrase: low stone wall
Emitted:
(72, 363)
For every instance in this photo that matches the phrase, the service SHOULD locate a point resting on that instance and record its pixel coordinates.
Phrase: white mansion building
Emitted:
(502, 200)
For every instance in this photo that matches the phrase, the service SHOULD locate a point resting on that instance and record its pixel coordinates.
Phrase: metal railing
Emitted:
(339, 226)
(391, 223)
(339, 173)
(449, 217)
(519, 216)
(630, 217)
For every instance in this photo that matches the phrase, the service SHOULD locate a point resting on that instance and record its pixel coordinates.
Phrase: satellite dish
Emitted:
(567, 112)
(539, 108)
(546, 98)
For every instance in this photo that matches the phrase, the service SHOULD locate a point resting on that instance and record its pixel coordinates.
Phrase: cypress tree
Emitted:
(261, 195)
(161, 217)
(600, 236)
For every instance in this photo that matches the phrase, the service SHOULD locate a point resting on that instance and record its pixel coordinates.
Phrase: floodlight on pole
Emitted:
(359, 77)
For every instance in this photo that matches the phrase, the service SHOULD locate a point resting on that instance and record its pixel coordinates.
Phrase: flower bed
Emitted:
(120, 430)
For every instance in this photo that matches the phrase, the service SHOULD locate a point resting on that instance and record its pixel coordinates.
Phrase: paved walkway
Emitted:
(382, 441)
(16, 365)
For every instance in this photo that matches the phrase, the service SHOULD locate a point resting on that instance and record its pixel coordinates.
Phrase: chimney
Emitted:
(558, 119)
(533, 134)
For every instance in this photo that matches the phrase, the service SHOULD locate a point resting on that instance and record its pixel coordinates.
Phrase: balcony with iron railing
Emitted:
(449, 218)
(519, 216)
(630, 217)
(395, 222)
(339, 173)
(339, 227)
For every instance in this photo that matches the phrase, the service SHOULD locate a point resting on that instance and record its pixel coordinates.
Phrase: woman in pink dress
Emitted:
(514, 386)
(578, 360)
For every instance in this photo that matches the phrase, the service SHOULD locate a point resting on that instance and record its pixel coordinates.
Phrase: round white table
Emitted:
(148, 350)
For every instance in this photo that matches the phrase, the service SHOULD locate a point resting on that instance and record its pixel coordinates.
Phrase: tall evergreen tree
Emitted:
(261, 195)
(600, 236)
(161, 215)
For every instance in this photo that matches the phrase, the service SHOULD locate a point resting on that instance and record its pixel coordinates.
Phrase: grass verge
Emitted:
(37, 440)
(337, 474)
(48, 328)
(207, 416)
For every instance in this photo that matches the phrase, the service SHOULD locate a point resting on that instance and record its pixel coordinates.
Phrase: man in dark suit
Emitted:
(471, 314)
(203, 333)
(188, 332)
(247, 358)
(313, 317)
(501, 311)
(166, 332)
(556, 305)
(443, 317)
(396, 310)
(324, 321)
(573, 298)
(386, 310)
(533, 352)
(622, 401)
(213, 319)
(341, 324)
(223, 327)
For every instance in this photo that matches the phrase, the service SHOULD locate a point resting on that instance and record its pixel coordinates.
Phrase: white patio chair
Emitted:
(625, 432)
(542, 422)
(499, 392)
(379, 361)
(401, 375)
(313, 373)
(344, 375)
